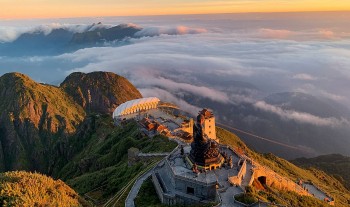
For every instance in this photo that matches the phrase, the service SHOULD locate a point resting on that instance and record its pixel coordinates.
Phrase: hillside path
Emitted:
(159, 154)
(129, 202)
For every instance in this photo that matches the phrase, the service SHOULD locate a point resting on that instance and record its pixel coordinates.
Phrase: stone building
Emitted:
(193, 174)
(187, 126)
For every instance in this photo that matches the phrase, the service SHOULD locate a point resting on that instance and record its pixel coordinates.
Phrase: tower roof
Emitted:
(206, 113)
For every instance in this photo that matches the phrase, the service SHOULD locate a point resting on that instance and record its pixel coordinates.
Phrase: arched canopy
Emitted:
(136, 105)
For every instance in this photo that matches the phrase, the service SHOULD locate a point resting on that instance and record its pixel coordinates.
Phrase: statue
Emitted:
(195, 169)
(198, 129)
(230, 162)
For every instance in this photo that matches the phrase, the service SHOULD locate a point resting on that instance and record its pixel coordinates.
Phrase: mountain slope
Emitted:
(334, 164)
(32, 117)
(37, 120)
(101, 161)
(105, 90)
(325, 182)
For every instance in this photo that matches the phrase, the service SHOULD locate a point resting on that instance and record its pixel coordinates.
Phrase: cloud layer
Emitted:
(205, 55)
(178, 30)
(301, 116)
(11, 33)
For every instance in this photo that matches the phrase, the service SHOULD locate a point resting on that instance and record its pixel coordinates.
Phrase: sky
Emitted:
(16, 9)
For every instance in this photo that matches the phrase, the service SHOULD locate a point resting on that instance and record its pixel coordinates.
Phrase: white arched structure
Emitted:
(135, 106)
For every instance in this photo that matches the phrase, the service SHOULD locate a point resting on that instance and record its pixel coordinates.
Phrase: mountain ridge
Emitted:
(36, 120)
(60, 40)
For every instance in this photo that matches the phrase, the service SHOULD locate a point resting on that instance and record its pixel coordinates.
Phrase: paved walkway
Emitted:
(227, 196)
(153, 154)
(129, 202)
(315, 191)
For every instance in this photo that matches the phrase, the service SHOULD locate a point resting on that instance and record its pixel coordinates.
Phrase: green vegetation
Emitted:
(334, 164)
(100, 167)
(45, 128)
(249, 197)
(48, 107)
(21, 188)
(272, 195)
(38, 120)
(327, 183)
(34, 117)
(147, 196)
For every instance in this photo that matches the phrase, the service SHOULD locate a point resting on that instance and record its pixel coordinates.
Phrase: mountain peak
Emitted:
(99, 91)
(15, 76)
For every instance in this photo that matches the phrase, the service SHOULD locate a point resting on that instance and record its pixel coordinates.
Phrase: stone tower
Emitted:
(209, 124)
(205, 151)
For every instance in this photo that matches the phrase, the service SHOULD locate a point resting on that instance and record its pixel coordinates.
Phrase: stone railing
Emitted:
(219, 200)
(237, 179)
(159, 189)
(252, 178)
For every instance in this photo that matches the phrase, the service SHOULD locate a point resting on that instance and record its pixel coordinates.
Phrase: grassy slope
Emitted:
(283, 167)
(334, 164)
(102, 162)
(21, 188)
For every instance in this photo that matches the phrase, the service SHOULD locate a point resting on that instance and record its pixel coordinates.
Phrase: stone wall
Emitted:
(237, 179)
(276, 180)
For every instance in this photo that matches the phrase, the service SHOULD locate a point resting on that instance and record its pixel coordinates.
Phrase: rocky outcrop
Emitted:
(99, 92)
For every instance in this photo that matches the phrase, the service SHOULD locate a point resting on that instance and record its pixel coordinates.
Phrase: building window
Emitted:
(209, 132)
(190, 190)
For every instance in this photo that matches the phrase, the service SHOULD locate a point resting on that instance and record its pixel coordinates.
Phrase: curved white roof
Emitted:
(129, 104)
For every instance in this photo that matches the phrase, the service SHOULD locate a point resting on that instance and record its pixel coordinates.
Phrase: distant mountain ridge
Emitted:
(103, 34)
(36, 120)
(61, 40)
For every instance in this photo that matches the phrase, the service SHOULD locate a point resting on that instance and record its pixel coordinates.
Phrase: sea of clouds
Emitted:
(307, 53)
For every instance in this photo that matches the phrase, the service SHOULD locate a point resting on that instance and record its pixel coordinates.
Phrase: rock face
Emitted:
(99, 92)
(38, 120)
